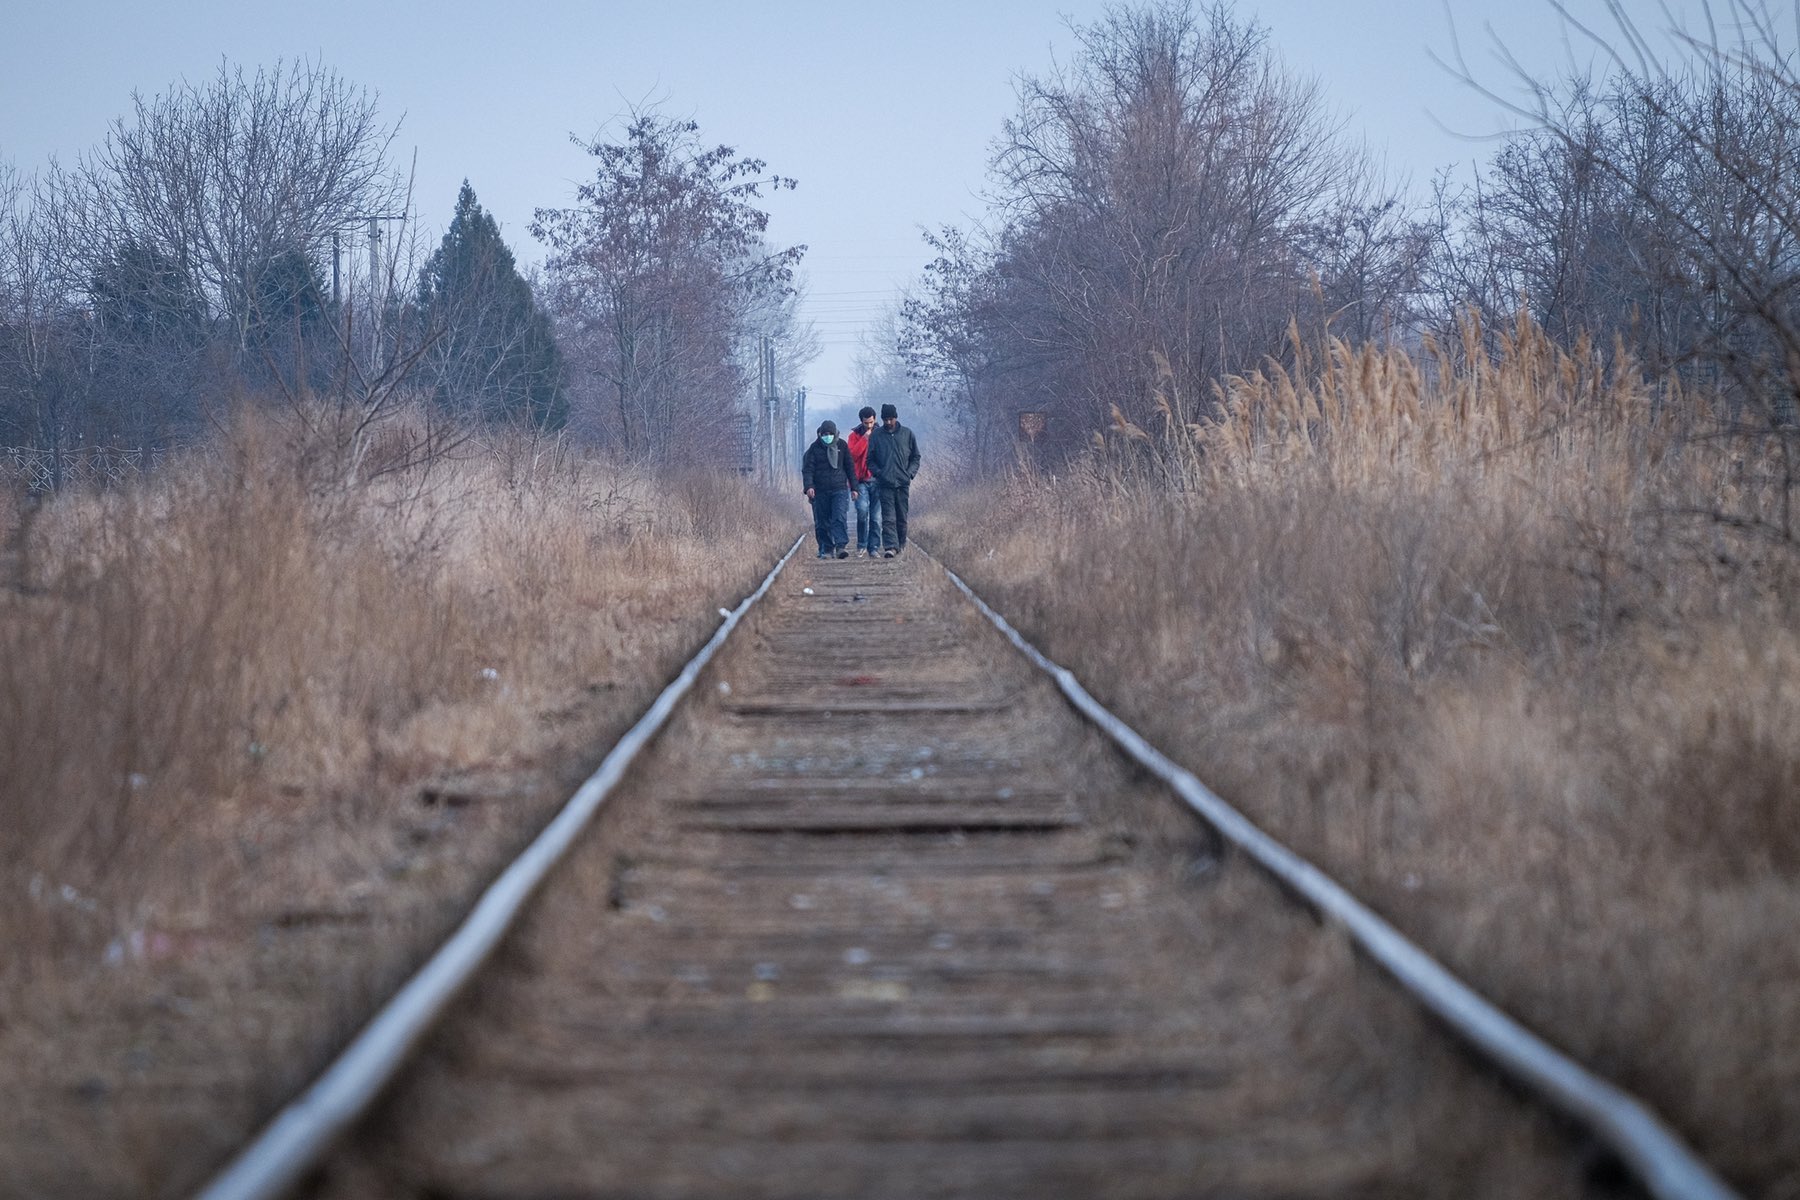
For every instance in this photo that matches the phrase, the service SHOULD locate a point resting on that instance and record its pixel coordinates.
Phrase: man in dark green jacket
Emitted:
(894, 461)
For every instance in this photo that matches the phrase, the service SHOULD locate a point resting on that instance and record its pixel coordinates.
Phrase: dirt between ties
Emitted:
(879, 915)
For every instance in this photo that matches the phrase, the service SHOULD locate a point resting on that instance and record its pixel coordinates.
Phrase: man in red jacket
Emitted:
(868, 501)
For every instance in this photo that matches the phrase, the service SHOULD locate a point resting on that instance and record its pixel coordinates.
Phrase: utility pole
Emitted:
(375, 298)
(762, 409)
(377, 293)
(800, 438)
(771, 424)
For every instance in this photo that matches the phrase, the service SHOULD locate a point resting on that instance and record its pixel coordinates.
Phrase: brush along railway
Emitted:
(878, 913)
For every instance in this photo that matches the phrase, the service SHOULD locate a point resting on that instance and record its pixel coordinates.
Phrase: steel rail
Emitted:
(291, 1143)
(1625, 1124)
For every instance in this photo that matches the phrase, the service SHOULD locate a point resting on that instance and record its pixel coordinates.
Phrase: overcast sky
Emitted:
(884, 113)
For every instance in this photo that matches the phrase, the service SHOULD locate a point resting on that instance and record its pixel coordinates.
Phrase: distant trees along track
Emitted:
(881, 913)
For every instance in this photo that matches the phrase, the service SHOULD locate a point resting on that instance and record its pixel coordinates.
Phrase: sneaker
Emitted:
(842, 553)
(889, 553)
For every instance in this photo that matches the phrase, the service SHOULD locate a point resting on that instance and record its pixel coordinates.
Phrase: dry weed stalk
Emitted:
(1375, 413)
(247, 627)
(267, 723)
(1502, 641)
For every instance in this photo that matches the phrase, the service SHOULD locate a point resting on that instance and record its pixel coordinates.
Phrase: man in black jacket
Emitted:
(828, 475)
(893, 460)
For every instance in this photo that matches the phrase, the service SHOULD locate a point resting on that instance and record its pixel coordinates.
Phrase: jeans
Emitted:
(868, 518)
(894, 503)
(831, 520)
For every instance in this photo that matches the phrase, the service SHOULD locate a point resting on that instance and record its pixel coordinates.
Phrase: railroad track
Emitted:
(890, 908)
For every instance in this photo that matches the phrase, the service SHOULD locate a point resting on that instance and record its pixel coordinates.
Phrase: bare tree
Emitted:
(39, 333)
(1369, 252)
(653, 274)
(770, 308)
(183, 254)
(227, 178)
(1657, 198)
(1572, 225)
(1165, 206)
(952, 338)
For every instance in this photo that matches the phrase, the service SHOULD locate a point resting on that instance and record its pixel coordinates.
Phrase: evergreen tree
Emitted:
(141, 294)
(140, 366)
(287, 330)
(287, 298)
(493, 355)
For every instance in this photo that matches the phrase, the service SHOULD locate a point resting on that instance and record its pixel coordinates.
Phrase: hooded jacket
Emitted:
(858, 441)
(827, 469)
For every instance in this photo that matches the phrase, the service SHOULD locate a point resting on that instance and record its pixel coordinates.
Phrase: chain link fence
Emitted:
(46, 470)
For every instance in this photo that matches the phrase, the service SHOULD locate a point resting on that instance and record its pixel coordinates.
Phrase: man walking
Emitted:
(868, 506)
(893, 461)
(827, 475)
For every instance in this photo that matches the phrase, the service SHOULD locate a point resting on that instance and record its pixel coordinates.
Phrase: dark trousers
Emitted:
(831, 513)
(894, 501)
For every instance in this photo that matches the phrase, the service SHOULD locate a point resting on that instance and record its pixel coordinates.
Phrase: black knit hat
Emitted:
(866, 412)
(888, 410)
(827, 427)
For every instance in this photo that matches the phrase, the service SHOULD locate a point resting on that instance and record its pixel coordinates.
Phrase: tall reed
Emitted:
(1508, 643)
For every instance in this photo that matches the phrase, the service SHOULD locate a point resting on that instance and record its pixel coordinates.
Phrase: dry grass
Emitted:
(262, 733)
(1511, 646)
